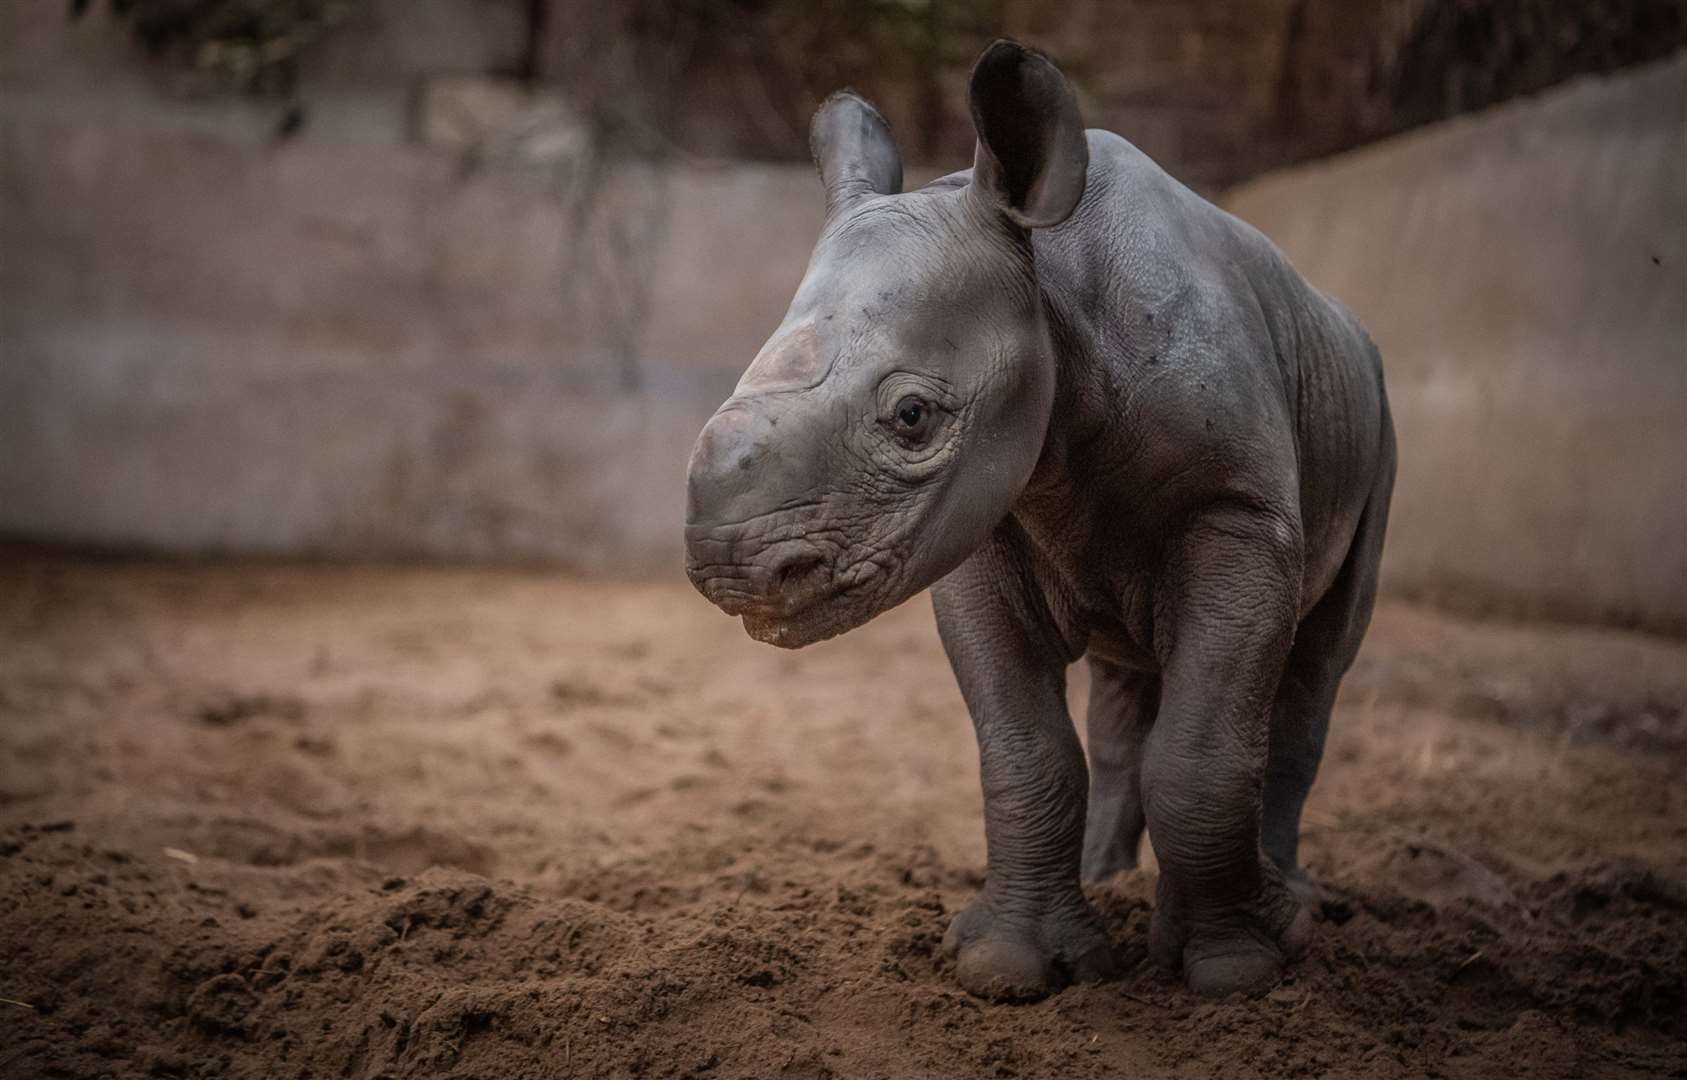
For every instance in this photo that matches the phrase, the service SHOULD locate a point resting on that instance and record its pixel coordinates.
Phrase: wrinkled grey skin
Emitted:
(1144, 440)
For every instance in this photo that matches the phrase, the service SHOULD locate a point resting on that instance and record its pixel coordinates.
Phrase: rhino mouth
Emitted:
(813, 611)
(789, 592)
(823, 616)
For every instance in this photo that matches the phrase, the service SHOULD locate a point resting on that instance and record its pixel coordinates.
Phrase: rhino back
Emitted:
(1204, 335)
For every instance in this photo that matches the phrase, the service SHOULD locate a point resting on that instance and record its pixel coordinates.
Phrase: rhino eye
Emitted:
(913, 417)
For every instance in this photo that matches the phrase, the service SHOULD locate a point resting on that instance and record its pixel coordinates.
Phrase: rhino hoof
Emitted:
(1003, 970)
(1250, 972)
(1002, 960)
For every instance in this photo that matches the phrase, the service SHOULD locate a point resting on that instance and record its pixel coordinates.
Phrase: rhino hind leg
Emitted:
(1326, 643)
(1121, 709)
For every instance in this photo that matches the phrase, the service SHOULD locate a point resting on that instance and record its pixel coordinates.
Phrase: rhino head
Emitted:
(896, 414)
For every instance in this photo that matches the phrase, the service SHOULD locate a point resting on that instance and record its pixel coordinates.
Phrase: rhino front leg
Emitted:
(1227, 611)
(1030, 930)
(1121, 710)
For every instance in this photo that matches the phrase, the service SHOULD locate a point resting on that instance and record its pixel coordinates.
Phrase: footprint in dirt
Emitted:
(227, 709)
(1435, 874)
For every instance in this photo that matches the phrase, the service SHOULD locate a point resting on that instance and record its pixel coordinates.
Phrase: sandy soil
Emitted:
(261, 821)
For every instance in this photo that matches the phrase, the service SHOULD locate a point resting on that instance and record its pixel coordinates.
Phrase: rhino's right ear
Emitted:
(853, 150)
(1032, 157)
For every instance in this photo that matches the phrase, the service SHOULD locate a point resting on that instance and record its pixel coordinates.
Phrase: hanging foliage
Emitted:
(250, 46)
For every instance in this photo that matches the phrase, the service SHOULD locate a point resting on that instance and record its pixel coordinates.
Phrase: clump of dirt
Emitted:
(503, 825)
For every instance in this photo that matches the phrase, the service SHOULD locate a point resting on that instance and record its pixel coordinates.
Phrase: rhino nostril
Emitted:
(793, 573)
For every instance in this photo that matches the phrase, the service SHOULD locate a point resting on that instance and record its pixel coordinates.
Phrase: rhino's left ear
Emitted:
(1032, 157)
(853, 150)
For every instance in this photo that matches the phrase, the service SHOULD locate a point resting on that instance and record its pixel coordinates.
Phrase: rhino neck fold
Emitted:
(1074, 413)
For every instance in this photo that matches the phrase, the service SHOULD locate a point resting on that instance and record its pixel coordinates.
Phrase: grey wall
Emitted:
(342, 347)
(351, 343)
(1525, 274)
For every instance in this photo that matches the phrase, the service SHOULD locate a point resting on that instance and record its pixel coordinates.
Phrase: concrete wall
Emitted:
(341, 347)
(1524, 273)
(350, 343)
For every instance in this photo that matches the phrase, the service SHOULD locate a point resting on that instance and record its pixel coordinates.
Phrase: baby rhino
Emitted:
(1100, 418)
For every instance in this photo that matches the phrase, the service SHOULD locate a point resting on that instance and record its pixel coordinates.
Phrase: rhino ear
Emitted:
(853, 149)
(1032, 157)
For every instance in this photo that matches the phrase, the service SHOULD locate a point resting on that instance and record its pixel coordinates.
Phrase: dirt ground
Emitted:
(273, 821)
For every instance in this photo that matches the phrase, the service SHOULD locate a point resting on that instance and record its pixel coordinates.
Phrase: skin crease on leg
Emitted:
(1100, 418)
